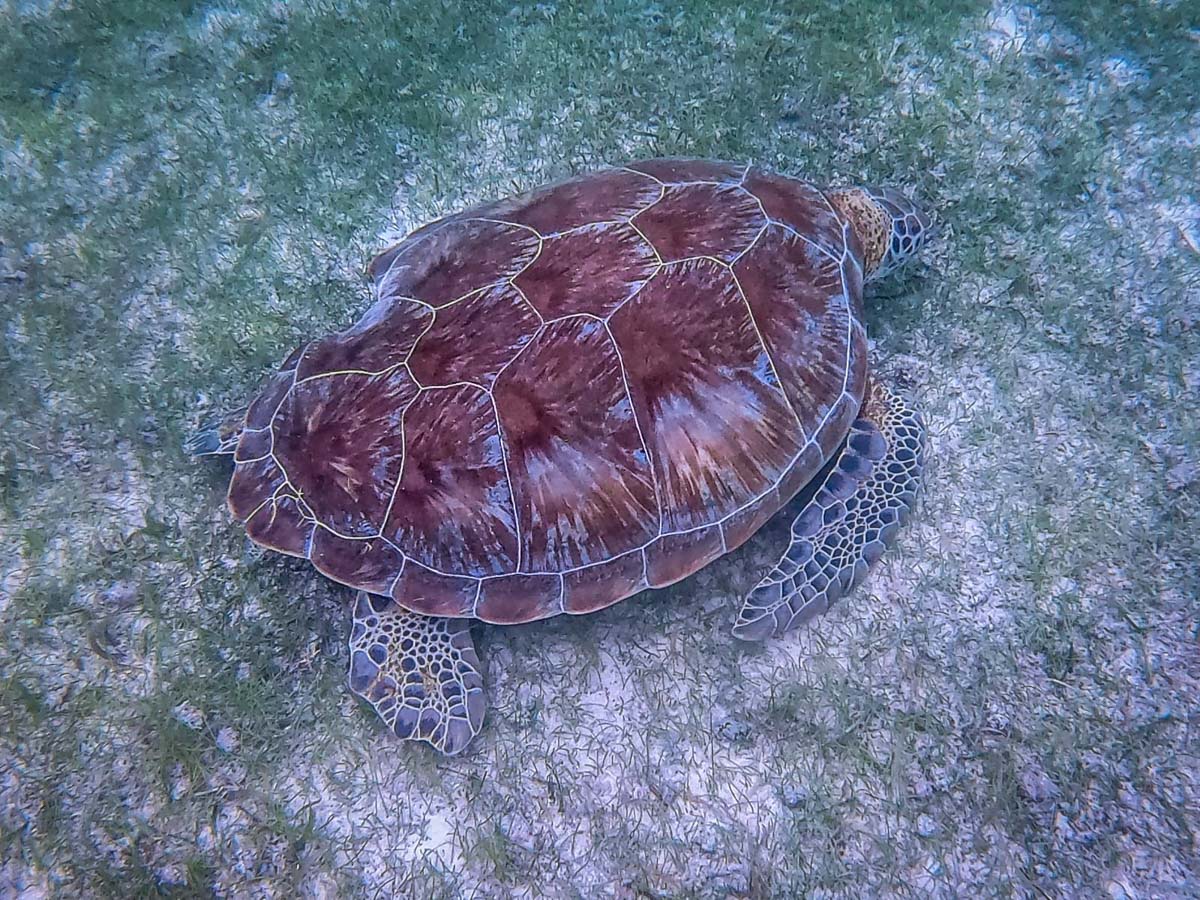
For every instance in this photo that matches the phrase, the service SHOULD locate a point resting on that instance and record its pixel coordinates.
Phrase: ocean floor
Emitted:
(1007, 708)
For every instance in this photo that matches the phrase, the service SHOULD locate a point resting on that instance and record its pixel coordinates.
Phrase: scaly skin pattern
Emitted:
(563, 398)
(854, 511)
(870, 222)
(419, 673)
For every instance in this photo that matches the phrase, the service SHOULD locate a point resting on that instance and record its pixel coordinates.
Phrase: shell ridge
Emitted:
(512, 494)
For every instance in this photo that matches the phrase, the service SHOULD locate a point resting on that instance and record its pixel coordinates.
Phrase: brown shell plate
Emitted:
(563, 398)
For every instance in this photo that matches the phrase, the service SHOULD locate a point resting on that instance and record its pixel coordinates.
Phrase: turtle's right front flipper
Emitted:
(218, 438)
(851, 519)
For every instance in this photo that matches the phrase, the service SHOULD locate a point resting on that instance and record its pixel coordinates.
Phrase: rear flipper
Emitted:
(851, 519)
(420, 673)
(217, 438)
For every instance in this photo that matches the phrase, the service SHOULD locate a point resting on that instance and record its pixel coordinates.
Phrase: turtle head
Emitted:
(891, 227)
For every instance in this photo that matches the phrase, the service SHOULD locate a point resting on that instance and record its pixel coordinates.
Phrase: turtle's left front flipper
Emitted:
(420, 673)
(851, 519)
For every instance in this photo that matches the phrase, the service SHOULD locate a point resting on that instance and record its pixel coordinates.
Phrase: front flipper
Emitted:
(851, 519)
(420, 673)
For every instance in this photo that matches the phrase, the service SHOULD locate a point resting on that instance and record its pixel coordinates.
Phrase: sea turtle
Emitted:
(564, 398)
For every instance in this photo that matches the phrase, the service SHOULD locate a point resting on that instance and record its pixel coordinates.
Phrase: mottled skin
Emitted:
(567, 397)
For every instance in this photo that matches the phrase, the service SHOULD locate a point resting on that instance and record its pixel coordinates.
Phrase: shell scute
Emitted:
(582, 483)
(339, 438)
(382, 339)
(595, 587)
(253, 484)
(795, 292)
(675, 556)
(519, 598)
(806, 465)
(741, 525)
(462, 255)
(611, 195)
(452, 509)
(799, 206)
(262, 408)
(491, 326)
(434, 593)
(369, 565)
(714, 416)
(681, 226)
(282, 525)
(589, 270)
(253, 446)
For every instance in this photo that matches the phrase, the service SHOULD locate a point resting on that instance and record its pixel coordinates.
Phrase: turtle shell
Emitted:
(568, 396)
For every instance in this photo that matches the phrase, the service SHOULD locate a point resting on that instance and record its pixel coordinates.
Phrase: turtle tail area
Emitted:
(218, 438)
(851, 518)
(419, 673)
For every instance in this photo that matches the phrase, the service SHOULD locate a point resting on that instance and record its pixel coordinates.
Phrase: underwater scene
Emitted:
(599, 450)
